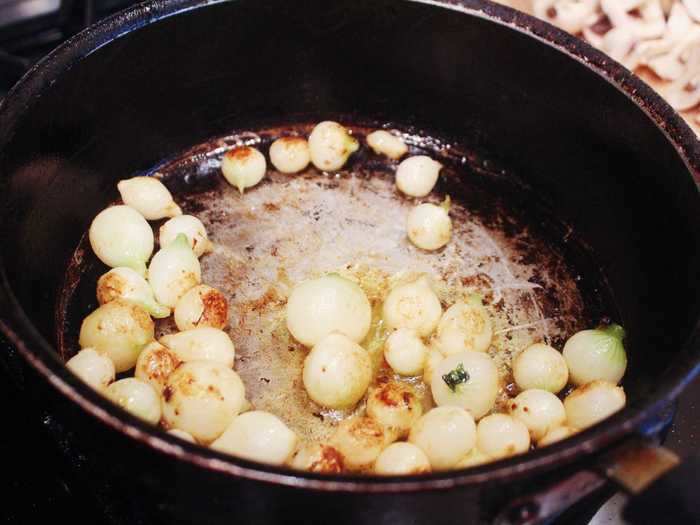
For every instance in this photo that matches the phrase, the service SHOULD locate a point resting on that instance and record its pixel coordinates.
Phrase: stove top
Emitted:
(37, 483)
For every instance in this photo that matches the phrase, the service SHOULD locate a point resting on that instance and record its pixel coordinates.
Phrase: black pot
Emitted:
(605, 151)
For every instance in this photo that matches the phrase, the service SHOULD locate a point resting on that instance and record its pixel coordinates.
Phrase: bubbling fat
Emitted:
(291, 228)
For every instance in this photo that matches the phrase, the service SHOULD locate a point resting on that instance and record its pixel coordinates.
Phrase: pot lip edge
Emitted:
(42, 358)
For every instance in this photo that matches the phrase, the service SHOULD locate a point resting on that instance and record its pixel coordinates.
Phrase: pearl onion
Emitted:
(118, 330)
(413, 305)
(593, 402)
(243, 167)
(384, 143)
(181, 434)
(120, 236)
(330, 145)
(540, 366)
(201, 306)
(464, 326)
(192, 228)
(395, 406)
(136, 397)
(155, 364)
(539, 410)
(149, 197)
(499, 436)
(405, 352)
(432, 361)
(258, 436)
(477, 393)
(328, 304)
(127, 284)
(474, 458)
(337, 372)
(596, 355)
(360, 440)
(318, 457)
(556, 434)
(174, 269)
(429, 226)
(445, 434)
(290, 154)
(202, 398)
(201, 344)
(402, 458)
(416, 176)
(92, 367)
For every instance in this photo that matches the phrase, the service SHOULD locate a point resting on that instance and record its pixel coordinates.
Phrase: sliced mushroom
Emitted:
(569, 15)
(693, 7)
(643, 19)
(684, 93)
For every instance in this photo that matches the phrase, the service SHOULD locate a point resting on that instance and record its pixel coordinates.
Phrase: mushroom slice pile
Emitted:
(569, 15)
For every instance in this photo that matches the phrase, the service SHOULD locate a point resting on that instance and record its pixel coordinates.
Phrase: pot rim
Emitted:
(16, 325)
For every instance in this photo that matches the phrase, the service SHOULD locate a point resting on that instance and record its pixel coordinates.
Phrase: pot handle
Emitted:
(653, 476)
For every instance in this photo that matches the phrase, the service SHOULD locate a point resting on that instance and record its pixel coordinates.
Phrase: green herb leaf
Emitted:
(456, 377)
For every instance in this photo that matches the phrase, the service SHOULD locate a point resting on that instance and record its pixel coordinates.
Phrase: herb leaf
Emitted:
(456, 377)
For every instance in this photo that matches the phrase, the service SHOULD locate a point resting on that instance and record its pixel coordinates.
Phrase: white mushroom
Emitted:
(174, 269)
(290, 154)
(258, 436)
(328, 304)
(149, 197)
(201, 306)
(119, 330)
(318, 457)
(243, 167)
(127, 284)
(401, 459)
(155, 364)
(464, 326)
(445, 435)
(395, 406)
(192, 228)
(413, 305)
(359, 440)
(120, 236)
(429, 226)
(330, 145)
(500, 436)
(416, 176)
(136, 397)
(384, 143)
(96, 369)
(693, 7)
(684, 93)
(593, 402)
(337, 372)
(405, 352)
(201, 344)
(642, 19)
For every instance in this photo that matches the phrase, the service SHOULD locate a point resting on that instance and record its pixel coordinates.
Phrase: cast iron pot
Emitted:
(608, 154)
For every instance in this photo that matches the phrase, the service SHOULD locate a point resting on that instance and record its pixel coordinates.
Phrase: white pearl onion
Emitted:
(192, 228)
(432, 361)
(337, 372)
(201, 344)
(330, 145)
(445, 434)
(328, 304)
(474, 458)
(384, 143)
(478, 393)
(412, 305)
(405, 352)
(202, 398)
(464, 326)
(500, 436)
(258, 436)
(120, 236)
(395, 406)
(290, 154)
(596, 355)
(540, 411)
(416, 176)
(127, 284)
(136, 397)
(92, 367)
(149, 197)
(402, 458)
(155, 364)
(119, 330)
(360, 440)
(556, 434)
(593, 402)
(243, 167)
(185, 436)
(429, 226)
(201, 306)
(540, 366)
(174, 269)
(318, 457)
